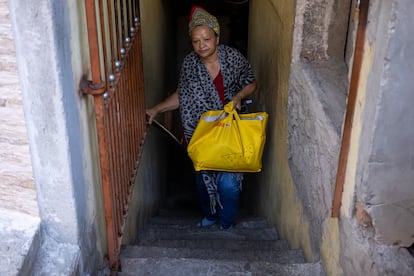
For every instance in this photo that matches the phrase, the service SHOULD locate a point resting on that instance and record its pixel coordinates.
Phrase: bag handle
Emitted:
(229, 108)
(231, 111)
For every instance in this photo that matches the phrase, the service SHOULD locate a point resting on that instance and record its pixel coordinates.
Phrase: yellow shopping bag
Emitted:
(227, 141)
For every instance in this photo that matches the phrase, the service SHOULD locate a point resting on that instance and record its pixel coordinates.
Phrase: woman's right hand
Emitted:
(151, 114)
(171, 103)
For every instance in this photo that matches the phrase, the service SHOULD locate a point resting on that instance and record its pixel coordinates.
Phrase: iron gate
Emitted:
(117, 86)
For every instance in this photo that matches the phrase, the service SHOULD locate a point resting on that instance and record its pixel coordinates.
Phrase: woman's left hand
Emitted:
(237, 102)
(245, 92)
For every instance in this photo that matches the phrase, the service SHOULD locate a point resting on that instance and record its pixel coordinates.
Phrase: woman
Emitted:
(210, 76)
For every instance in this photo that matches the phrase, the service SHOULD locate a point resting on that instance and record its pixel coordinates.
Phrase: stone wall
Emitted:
(376, 214)
(316, 108)
(324, 28)
(17, 188)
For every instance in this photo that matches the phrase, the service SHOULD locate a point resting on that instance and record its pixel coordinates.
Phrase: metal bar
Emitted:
(122, 145)
(141, 83)
(127, 149)
(112, 154)
(111, 128)
(112, 45)
(129, 110)
(124, 131)
(118, 157)
(100, 125)
(349, 117)
(122, 21)
(103, 35)
(118, 27)
(134, 97)
(130, 16)
(122, 117)
(117, 42)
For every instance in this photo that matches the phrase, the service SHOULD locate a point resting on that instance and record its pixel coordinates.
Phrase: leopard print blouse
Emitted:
(197, 92)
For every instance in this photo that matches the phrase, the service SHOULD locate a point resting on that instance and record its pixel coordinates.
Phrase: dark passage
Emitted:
(181, 192)
(180, 189)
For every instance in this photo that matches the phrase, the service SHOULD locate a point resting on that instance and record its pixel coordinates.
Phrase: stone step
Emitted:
(191, 232)
(206, 253)
(191, 212)
(182, 213)
(193, 220)
(219, 244)
(194, 267)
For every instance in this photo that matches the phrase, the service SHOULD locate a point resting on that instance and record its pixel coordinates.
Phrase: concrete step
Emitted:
(191, 232)
(194, 267)
(19, 242)
(54, 258)
(219, 244)
(205, 253)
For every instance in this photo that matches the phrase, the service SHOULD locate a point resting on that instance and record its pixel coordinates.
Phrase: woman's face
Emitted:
(205, 41)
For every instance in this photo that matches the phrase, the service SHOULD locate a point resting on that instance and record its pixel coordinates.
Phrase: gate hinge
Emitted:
(90, 88)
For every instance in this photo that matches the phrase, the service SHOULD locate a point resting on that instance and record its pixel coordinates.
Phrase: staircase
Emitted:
(171, 244)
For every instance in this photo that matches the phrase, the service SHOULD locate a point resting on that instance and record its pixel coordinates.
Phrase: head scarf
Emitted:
(200, 17)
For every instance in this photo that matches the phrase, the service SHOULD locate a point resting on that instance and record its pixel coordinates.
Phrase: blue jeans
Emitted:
(228, 188)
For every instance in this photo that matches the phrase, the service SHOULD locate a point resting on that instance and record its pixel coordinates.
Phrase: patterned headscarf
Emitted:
(200, 17)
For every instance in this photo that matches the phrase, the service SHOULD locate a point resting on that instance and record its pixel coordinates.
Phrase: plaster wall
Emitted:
(303, 137)
(316, 107)
(52, 54)
(377, 212)
(270, 51)
(158, 47)
(158, 53)
(386, 164)
(148, 189)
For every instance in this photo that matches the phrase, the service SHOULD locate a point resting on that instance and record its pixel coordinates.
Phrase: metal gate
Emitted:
(117, 86)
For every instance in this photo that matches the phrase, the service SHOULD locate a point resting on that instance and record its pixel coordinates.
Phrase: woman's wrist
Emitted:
(239, 96)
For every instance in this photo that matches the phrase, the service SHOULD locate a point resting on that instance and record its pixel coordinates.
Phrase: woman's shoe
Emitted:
(205, 222)
(228, 228)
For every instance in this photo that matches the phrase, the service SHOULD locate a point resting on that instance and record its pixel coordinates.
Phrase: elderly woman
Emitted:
(211, 76)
